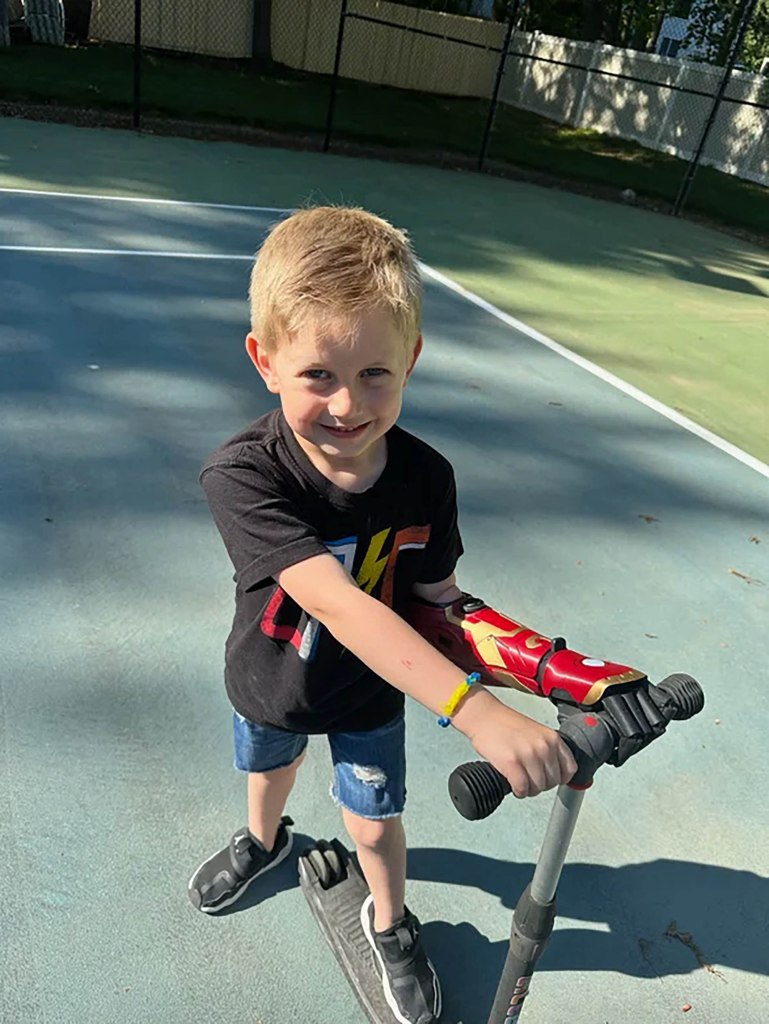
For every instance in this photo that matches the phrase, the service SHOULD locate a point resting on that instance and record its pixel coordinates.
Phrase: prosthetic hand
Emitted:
(505, 653)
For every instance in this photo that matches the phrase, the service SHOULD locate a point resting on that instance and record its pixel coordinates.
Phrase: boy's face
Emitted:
(340, 390)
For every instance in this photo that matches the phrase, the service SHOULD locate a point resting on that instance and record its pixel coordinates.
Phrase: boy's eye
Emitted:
(316, 374)
(375, 371)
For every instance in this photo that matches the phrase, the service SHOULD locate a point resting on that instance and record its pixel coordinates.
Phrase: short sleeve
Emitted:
(261, 526)
(444, 547)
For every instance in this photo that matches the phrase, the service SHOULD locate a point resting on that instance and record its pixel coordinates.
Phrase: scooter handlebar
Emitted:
(477, 788)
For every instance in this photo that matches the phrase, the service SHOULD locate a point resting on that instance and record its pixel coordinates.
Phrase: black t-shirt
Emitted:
(273, 509)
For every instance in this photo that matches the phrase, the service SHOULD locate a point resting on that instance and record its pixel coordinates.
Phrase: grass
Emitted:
(100, 77)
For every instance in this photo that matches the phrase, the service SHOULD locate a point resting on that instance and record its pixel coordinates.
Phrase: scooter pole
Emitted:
(478, 788)
(534, 913)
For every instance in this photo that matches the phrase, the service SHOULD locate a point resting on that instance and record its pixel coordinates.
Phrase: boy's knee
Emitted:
(372, 832)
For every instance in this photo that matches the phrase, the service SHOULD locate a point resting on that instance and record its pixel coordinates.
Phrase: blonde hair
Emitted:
(329, 264)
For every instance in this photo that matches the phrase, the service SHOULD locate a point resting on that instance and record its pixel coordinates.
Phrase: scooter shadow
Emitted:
(654, 919)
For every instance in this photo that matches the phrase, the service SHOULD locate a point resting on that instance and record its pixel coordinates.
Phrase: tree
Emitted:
(261, 44)
(756, 47)
(713, 25)
(628, 23)
(633, 24)
(447, 6)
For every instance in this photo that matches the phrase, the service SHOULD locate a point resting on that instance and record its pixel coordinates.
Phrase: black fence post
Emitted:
(498, 84)
(691, 170)
(335, 79)
(137, 64)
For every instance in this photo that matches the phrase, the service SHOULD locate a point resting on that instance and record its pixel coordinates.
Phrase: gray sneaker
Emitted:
(410, 984)
(225, 876)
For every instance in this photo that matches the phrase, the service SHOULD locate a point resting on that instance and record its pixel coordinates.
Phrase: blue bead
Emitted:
(444, 722)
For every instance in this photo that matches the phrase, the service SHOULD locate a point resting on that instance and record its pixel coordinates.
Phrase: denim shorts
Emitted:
(369, 767)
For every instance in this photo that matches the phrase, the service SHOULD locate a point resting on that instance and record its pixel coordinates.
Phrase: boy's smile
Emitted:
(345, 433)
(341, 390)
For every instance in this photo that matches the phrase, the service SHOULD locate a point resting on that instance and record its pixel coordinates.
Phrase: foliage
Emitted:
(714, 24)
(632, 23)
(447, 6)
(635, 24)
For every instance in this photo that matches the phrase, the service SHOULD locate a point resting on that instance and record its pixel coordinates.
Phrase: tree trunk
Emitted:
(261, 48)
(5, 37)
(592, 20)
(613, 22)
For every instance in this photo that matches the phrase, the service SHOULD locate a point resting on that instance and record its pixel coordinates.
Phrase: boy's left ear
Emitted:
(415, 356)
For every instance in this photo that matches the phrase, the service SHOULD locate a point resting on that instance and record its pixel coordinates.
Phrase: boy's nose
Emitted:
(342, 403)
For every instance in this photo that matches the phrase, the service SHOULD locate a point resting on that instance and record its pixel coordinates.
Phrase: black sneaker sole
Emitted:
(214, 908)
(368, 932)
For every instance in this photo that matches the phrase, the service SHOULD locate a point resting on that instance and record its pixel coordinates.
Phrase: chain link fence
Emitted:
(696, 111)
(389, 75)
(52, 68)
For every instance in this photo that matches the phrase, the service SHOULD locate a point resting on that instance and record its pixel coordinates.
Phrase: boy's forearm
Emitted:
(397, 653)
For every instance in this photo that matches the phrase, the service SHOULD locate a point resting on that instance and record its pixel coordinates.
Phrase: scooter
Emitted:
(335, 889)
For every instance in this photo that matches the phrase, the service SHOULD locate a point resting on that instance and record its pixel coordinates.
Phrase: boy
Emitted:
(335, 519)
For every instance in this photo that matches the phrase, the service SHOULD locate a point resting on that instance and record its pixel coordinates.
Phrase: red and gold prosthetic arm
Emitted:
(506, 653)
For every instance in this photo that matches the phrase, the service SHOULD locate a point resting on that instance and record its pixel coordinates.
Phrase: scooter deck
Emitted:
(336, 907)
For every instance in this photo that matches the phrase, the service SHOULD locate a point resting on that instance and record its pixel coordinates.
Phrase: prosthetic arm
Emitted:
(506, 653)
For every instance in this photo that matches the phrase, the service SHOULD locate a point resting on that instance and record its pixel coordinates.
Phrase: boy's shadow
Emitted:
(661, 918)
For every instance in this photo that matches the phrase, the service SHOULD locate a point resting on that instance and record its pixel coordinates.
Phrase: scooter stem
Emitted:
(555, 845)
(535, 912)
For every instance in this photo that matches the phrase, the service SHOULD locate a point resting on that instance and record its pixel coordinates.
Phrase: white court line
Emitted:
(542, 339)
(142, 199)
(125, 252)
(608, 378)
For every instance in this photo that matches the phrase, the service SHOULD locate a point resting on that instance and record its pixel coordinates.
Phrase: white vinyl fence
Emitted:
(601, 94)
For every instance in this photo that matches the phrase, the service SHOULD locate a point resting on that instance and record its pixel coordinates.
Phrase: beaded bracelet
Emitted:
(451, 705)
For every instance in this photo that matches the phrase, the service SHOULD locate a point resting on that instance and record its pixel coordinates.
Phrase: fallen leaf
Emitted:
(754, 540)
(652, 636)
(648, 519)
(748, 579)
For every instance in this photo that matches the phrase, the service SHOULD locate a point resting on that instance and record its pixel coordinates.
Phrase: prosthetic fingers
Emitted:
(505, 653)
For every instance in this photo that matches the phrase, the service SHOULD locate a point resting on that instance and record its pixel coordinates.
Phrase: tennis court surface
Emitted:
(584, 511)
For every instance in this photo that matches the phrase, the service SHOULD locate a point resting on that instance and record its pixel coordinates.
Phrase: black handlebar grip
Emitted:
(477, 788)
(678, 697)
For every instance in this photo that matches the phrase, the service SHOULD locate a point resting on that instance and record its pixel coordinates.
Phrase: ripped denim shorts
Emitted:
(369, 767)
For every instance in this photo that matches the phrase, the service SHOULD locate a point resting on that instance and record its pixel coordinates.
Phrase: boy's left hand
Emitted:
(532, 757)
